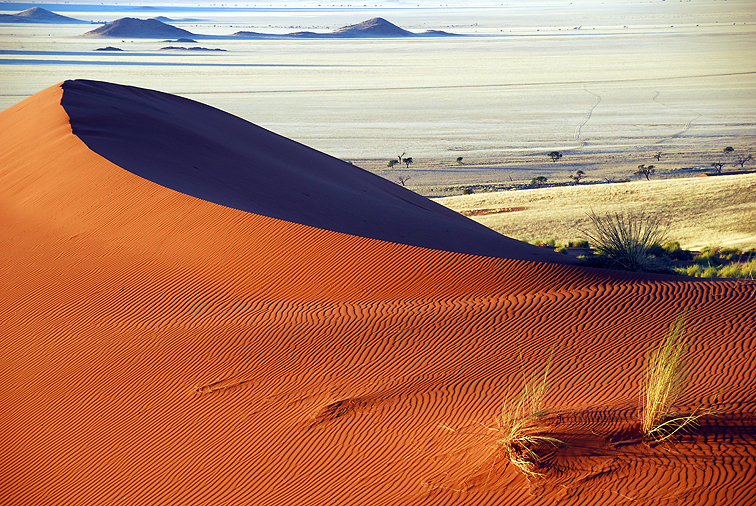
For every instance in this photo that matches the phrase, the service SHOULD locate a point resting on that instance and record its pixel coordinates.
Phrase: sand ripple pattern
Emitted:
(158, 349)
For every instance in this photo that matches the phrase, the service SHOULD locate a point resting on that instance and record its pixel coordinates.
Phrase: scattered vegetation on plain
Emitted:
(720, 263)
(671, 258)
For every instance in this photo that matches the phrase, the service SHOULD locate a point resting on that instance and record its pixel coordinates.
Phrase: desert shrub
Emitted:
(707, 256)
(729, 271)
(729, 253)
(627, 240)
(748, 270)
(578, 243)
(709, 272)
(548, 243)
(561, 249)
(691, 270)
(673, 250)
(664, 378)
(467, 191)
(538, 181)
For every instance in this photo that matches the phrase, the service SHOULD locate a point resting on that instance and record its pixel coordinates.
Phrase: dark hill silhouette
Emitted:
(38, 15)
(372, 28)
(138, 29)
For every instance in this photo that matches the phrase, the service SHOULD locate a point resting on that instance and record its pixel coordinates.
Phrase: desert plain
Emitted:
(219, 293)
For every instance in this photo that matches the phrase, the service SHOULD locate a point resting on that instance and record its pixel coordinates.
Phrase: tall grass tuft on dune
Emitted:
(520, 428)
(665, 376)
(627, 240)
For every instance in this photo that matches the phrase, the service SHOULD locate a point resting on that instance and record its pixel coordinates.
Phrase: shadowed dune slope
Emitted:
(207, 153)
(156, 348)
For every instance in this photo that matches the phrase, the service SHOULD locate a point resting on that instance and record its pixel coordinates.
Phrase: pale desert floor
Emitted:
(608, 85)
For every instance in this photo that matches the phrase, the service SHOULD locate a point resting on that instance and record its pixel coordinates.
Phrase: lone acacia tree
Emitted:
(742, 159)
(403, 179)
(391, 163)
(459, 160)
(718, 166)
(645, 171)
(658, 155)
(407, 161)
(555, 156)
(577, 176)
(538, 181)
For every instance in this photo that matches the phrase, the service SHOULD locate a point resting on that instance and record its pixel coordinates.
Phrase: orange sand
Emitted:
(156, 348)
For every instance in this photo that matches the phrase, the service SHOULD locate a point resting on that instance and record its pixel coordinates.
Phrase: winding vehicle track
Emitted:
(588, 116)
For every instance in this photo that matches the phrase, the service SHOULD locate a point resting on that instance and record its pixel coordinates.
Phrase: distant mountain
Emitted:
(194, 48)
(138, 29)
(376, 27)
(372, 28)
(38, 15)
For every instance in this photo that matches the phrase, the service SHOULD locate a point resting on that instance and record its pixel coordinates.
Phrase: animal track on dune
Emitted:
(223, 384)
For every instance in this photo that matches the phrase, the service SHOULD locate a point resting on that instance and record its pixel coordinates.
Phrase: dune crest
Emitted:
(160, 348)
(207, 153)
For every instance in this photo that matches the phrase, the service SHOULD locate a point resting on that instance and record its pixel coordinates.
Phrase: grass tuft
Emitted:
(520, 426)
(664, 379)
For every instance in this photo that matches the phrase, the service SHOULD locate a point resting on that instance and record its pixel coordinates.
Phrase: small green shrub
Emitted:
(674, 251)
(691, 270)
(561, 249)
(538, 181)
(578, 243)
(708, 256)
(749, 270)
(548, 243)
(709, 272)
(729, 253)
(730, 271)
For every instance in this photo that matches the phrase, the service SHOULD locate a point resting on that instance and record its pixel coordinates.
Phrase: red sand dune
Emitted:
(256, 348)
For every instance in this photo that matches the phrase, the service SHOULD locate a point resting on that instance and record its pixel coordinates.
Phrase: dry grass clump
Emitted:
(520, 428)
(664, 379)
